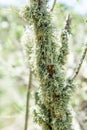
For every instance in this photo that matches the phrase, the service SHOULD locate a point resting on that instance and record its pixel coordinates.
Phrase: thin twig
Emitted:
(64, 41)
(18, 15)
(80, 64)
(53, 6)
(27, 101)
(68, 23)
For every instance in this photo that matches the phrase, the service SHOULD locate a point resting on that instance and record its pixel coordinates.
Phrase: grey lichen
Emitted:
(55, 90)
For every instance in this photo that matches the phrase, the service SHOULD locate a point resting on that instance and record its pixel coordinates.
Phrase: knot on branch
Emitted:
(50, 69)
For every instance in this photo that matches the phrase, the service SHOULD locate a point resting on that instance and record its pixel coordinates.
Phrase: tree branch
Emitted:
(27, 101)
(68, 23)
(80, 64)
(53, 6)
(64, 41)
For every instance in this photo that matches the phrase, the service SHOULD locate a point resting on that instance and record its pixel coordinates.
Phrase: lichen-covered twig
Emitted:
(54, 2)
(27, 101)
(68, 23)
(80, 64)
(64, 41)
(52, 97)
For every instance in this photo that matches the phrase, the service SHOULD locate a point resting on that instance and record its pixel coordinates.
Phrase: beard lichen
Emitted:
(55, 90)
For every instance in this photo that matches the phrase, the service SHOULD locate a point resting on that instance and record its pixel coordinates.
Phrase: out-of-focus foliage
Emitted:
(12, 66)
(13, 70)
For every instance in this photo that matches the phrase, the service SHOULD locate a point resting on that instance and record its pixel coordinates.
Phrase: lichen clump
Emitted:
(54, 93)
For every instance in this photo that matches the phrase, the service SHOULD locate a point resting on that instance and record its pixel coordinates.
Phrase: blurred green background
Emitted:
(14, 68)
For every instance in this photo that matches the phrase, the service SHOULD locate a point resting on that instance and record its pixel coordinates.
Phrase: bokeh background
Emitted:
(14, 72)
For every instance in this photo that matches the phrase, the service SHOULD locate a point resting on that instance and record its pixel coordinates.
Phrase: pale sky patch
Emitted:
(80, 7)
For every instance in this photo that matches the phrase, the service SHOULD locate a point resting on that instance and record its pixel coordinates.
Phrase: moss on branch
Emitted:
(54, 93)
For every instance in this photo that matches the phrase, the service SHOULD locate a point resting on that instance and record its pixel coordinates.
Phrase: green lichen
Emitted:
(55, 90)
